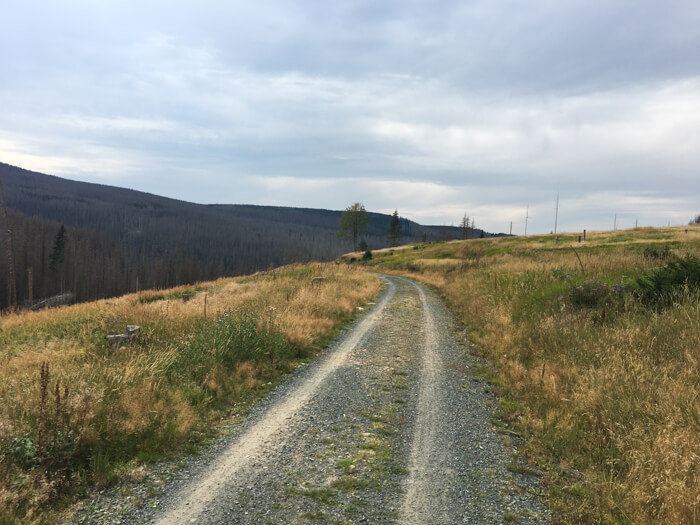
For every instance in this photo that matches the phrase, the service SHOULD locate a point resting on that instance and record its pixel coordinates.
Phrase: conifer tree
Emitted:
(394, 234)
(59, 245)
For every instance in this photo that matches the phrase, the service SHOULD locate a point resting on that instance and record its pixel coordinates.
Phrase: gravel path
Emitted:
(390, 425)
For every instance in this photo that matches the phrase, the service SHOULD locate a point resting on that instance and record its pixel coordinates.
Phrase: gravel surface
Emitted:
(391, 425)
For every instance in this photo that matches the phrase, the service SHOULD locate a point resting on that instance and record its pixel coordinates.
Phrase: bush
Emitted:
(22, 452)
(658, 286)
(592, 293)
(367, 255)
(655, 252)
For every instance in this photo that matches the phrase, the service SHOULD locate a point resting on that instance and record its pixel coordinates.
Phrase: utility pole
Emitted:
(556, 215)
(527, 215)
(615, 223)
(511, 228)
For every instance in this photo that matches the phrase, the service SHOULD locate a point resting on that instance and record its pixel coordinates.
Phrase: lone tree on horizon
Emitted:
(393, 236)
(464, 227)
(353, 223)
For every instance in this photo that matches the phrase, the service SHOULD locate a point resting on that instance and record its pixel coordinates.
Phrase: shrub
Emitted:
(560, 275)
(22, 452)
(654, 252)
(592, 293)
(658, 286)
(367, 255)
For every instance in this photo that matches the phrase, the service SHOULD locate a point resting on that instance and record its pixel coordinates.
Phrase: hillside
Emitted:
(76, 412)
(120, 240)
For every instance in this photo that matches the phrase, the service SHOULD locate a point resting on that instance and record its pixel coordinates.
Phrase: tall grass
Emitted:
(74, 411)
(603, 381)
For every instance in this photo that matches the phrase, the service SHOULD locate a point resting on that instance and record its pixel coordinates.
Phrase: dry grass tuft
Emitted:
(143, 400)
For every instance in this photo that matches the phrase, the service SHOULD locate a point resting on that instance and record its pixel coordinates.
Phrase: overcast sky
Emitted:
(436, 108)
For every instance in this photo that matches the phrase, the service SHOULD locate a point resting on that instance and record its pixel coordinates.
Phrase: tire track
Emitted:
(389, 425)
(423, 502)
(268, 433)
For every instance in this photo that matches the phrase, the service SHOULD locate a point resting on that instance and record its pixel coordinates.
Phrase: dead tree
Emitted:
(10, 251)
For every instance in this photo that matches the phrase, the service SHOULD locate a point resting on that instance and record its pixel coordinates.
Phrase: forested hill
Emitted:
(119, 240)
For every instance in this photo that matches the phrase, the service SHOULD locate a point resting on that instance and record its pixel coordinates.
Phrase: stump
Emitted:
(132, 330)
(116, 340)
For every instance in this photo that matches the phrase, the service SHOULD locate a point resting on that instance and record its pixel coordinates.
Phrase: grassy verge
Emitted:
(74, 411)
(594, 349)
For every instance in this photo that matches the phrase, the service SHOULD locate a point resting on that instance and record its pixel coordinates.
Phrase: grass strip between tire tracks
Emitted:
(593, 349)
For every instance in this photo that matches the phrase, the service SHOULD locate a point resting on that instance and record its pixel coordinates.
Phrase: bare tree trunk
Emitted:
(11, 250)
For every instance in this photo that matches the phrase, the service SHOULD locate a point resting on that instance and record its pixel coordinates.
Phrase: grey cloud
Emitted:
(492, 104)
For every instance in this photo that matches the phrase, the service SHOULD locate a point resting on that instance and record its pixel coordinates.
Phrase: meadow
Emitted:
(75, 411)
(594, 351)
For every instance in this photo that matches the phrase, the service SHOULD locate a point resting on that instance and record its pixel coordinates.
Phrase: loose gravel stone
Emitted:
(391, 424)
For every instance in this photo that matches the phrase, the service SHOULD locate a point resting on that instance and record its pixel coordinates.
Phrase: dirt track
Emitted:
(390, 425)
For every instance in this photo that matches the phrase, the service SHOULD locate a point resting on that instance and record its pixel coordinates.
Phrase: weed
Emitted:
(154, 492)
(348, 483)
(518, 468)
(22, 452)
(659, 286)
(319, 494)
(592, 293)
(314, 515)
(656, 252)
(56, 442)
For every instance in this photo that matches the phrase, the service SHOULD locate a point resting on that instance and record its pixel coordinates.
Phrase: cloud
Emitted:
(434, 108)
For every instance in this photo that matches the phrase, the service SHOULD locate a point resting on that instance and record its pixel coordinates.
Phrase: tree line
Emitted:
(99, 241)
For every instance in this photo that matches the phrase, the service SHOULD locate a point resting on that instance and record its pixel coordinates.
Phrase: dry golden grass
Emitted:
(128, 402)
(610, 401)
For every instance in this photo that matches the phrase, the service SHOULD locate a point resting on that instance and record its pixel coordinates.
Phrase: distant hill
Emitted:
(119, 240)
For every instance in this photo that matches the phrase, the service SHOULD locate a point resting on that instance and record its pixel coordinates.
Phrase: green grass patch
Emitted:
(349, 483)
(319, 494)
